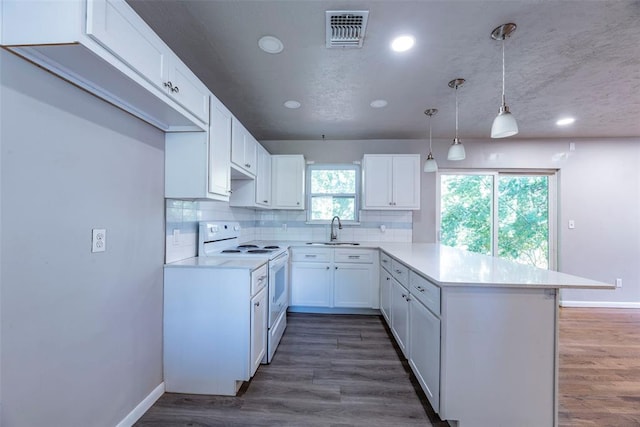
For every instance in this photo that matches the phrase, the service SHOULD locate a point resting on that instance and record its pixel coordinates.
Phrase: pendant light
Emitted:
(430, 165)
(456, 151)
(504, 124)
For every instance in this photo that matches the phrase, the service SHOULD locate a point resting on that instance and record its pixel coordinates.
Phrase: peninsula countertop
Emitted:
(447, 266)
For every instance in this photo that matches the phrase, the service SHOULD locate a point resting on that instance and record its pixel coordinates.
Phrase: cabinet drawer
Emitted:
(259, 279)
(400, 272)
(311, 254)
(354, 255)
(426, 292)
(385, 261)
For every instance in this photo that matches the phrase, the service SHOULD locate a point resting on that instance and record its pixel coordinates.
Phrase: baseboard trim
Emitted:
(600, 304)
(142, 407)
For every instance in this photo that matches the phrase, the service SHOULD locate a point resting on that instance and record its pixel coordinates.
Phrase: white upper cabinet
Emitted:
(243, 149)
(287, 181)
(256, 193)
(263, 179)
(114, 25)
(104, 47)
(197, 163)
(219, 150)
(391, 181)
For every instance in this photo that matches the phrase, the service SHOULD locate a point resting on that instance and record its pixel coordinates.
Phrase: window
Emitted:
(333, 190)
(506, 214)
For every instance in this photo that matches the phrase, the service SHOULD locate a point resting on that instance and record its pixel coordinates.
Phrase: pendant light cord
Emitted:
(456, 111)
(503, 72)
(429, 134)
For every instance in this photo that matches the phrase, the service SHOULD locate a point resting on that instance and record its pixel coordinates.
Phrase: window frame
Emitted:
(551, 174)
(356, 195)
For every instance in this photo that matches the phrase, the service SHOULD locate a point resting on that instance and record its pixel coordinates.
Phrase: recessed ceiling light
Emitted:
(566, 121)
(292, 104)
(379, 103)
(403, 43)
(270, 44)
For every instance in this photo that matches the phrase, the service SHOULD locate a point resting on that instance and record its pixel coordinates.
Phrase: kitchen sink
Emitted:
(334, 243)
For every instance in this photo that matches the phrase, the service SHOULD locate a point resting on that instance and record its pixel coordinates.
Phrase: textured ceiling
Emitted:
(579, 58)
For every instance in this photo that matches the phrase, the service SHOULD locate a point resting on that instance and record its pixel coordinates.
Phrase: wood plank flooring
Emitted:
(599, 375)
(338, 370)
(346, 371)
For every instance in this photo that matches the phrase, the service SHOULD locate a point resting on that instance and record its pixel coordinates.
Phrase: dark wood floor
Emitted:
(599, 367)
(328, 371)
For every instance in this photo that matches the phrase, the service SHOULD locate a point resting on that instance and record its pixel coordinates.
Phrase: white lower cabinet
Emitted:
(424, 351)
(353, 285)
(258, 331)
(334, 278)
(311, 284)
(400, 315)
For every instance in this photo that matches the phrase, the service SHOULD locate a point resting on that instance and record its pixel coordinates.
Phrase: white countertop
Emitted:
(448, 266)
(219, 262)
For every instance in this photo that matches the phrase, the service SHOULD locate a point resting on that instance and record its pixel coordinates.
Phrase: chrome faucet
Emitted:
(334, 233)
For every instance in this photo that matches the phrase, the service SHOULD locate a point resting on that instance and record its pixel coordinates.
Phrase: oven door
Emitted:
(278, 287)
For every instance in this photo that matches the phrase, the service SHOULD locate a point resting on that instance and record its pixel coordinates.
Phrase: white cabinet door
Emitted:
(263, 177)
(114, 25)
(385, 294)
(400, 315)
(311, 284)
(406, 182)
(391, 181)
(187, 90)
(258, 329)
(287, 180)
(377, 181)
(424, 353)
(219, 149)
(353, 285)
(243, 148)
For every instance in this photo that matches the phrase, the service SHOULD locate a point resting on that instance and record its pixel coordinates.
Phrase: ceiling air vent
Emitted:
(345, 28)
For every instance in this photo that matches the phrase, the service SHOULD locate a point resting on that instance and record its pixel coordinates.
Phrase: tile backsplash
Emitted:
(182, 219)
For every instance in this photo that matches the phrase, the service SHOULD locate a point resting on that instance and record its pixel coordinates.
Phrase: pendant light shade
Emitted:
(430, 165)
(504, 124)
(456, 151)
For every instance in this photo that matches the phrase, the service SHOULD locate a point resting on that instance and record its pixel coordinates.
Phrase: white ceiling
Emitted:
(567, 57)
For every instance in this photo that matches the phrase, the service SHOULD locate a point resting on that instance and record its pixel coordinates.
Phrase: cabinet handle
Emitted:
(261, 278)
(390, 203)
(399, 271)
(385, 261)
(404, 296)
(265, 201)
(298, 203)
(388, 278)
(420, 288)
(257, 304)
(247, 165)
(169, 85)
(336, 268)
(310, 256)
(327, 267)
(354, 256)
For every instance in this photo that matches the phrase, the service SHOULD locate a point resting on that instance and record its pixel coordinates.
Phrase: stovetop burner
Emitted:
(259, 251)
(247, 246)
(271, 247)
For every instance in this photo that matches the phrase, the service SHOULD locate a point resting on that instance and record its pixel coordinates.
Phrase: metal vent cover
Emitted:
(345, 28)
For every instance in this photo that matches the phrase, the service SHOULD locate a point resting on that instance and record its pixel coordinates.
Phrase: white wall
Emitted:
(81, 332)
(599, 185)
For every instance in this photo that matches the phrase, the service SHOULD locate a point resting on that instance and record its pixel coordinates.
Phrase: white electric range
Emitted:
(221, 239)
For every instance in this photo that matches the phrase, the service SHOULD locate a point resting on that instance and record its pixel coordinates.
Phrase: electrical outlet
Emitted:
(618, 283)
(99, 240)
(572, 224)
